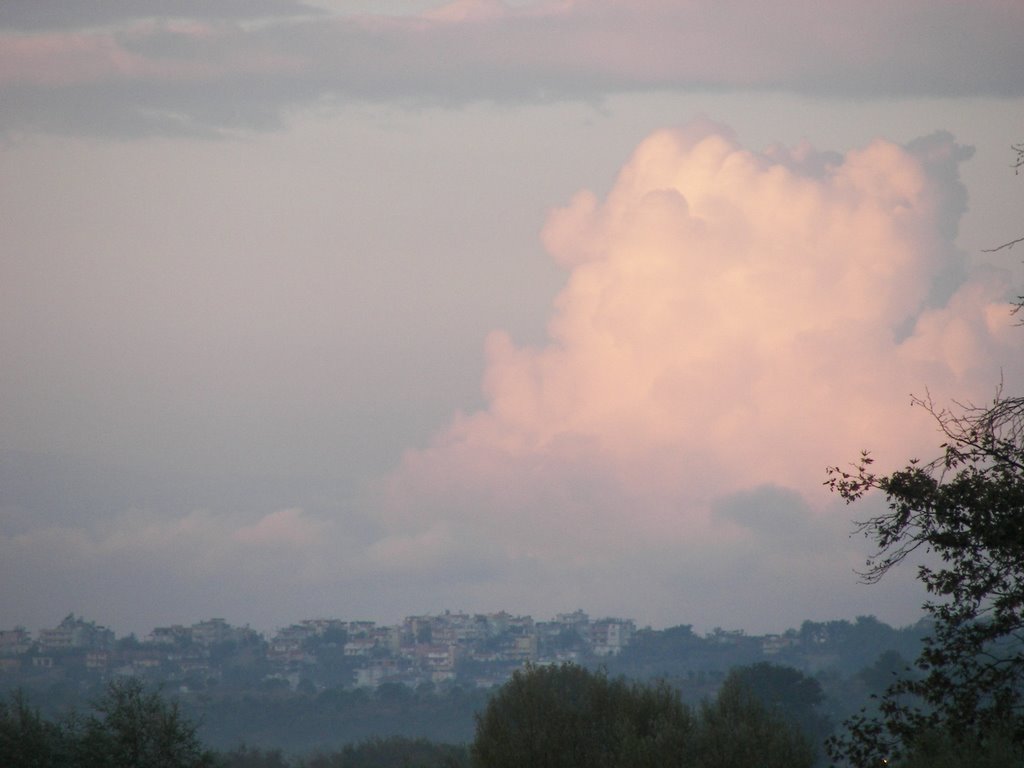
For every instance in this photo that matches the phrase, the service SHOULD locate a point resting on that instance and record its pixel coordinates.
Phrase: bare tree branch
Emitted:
(1004, 245)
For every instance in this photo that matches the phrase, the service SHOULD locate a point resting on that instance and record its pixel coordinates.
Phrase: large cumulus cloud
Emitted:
(732, 321)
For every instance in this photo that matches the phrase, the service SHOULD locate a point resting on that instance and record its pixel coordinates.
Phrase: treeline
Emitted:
(274, 719)
(850, 659)
(558, 716)
(841, 648)
(133, 727)
(562, 717)
(127, 726)
(663, 700)
(565, 716)
(409, 727)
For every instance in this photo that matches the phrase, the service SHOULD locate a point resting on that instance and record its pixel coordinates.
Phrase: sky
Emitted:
(369, 309)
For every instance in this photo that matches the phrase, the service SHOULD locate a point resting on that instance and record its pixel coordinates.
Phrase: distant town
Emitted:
(473, 650)
(322, 683)
(481, 649)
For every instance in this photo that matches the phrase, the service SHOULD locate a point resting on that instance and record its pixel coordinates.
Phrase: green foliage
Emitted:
(136, 727)
(967, 509)
(129, 727)
(738, 731)
(27, 740)
(786, 692)
(939, 750)
(677, 652)
(564, 716)
(859, 643)
(885, 670)
(568, 717)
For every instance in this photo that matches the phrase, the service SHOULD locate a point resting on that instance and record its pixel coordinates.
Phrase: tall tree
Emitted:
(566, 716)
(130, 727)
(786, 692)
(966, 508)
(27, 740)
(737, 731)
(135, 727)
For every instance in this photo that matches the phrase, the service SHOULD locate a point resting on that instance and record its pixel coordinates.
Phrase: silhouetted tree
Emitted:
(886, 669)
(737, 731)
(135, 727)
(567, 717)
(1018, 163)
(935, 749)
(27, 740)
(130, 728)
(787, 692)
(967, 509)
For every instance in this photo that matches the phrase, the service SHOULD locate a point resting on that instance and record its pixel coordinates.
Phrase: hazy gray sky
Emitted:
(363, 309)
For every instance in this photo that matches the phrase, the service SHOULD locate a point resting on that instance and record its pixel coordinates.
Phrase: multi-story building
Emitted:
(74, 633)
(437, 648)
(211, 632)
(14, 642)
(175, 635)
(609, 636)
(217, 631)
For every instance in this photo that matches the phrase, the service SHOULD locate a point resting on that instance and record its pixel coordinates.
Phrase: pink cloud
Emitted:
(730, 320)
(285, 527)
(469, 10)
(714, 276)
